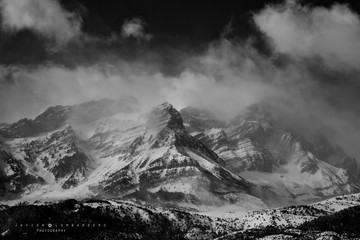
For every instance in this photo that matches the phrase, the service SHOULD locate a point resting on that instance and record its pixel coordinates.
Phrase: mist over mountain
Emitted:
(213, 108)
(233, 69)
(114, 148)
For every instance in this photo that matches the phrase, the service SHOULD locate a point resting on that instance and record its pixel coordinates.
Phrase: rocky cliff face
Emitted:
(54, 158)
(14, 176)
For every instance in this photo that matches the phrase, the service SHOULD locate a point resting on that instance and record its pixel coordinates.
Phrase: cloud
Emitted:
(45, 17)
(331, 34)
(27, 91)
(228, 72)
(226, 76)
(135, 28)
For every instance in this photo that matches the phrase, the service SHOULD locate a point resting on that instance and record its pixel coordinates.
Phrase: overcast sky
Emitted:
(303, 56)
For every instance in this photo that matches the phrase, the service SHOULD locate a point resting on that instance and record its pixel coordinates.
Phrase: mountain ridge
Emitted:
(185, 157)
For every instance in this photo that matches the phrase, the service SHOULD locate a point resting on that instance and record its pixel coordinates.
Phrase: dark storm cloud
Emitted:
(295, 56)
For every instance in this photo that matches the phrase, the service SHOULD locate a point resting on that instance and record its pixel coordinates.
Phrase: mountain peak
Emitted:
(165, 115)
(164, 106)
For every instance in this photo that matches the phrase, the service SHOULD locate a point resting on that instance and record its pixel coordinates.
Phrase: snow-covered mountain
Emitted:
(112, 148)
(107, 148)
(297, 168)
(157, 155)
(48, 151)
